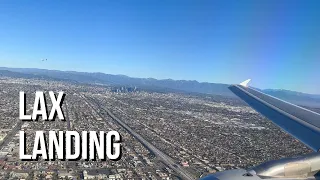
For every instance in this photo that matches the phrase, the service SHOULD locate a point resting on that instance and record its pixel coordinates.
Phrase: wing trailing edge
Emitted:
(299, 122)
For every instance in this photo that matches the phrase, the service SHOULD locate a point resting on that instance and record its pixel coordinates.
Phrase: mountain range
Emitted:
(165, 85)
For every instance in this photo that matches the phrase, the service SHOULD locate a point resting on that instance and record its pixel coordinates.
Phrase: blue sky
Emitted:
(274, 42)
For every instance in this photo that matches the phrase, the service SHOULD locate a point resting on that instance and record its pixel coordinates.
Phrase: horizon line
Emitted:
(154, 78)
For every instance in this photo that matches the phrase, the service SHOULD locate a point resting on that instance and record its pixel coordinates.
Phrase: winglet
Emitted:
(245, 83)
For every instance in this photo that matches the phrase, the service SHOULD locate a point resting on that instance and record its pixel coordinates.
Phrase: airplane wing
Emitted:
(301, 123)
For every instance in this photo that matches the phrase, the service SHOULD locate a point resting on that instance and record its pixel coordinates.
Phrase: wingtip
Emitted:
(245, 83)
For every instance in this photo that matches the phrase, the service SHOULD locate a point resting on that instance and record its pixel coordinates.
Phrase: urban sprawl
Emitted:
(164, 135)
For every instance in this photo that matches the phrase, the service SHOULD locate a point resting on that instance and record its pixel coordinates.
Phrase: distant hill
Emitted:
(166, 85)
(295, 97)
(109, 79)
(13, 74)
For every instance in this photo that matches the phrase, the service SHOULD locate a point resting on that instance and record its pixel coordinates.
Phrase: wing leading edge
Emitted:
(301, 123)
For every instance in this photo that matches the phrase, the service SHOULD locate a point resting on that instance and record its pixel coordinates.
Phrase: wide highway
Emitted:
(166, 159)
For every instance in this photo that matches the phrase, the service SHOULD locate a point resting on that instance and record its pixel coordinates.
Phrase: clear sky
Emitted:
(274, 42)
